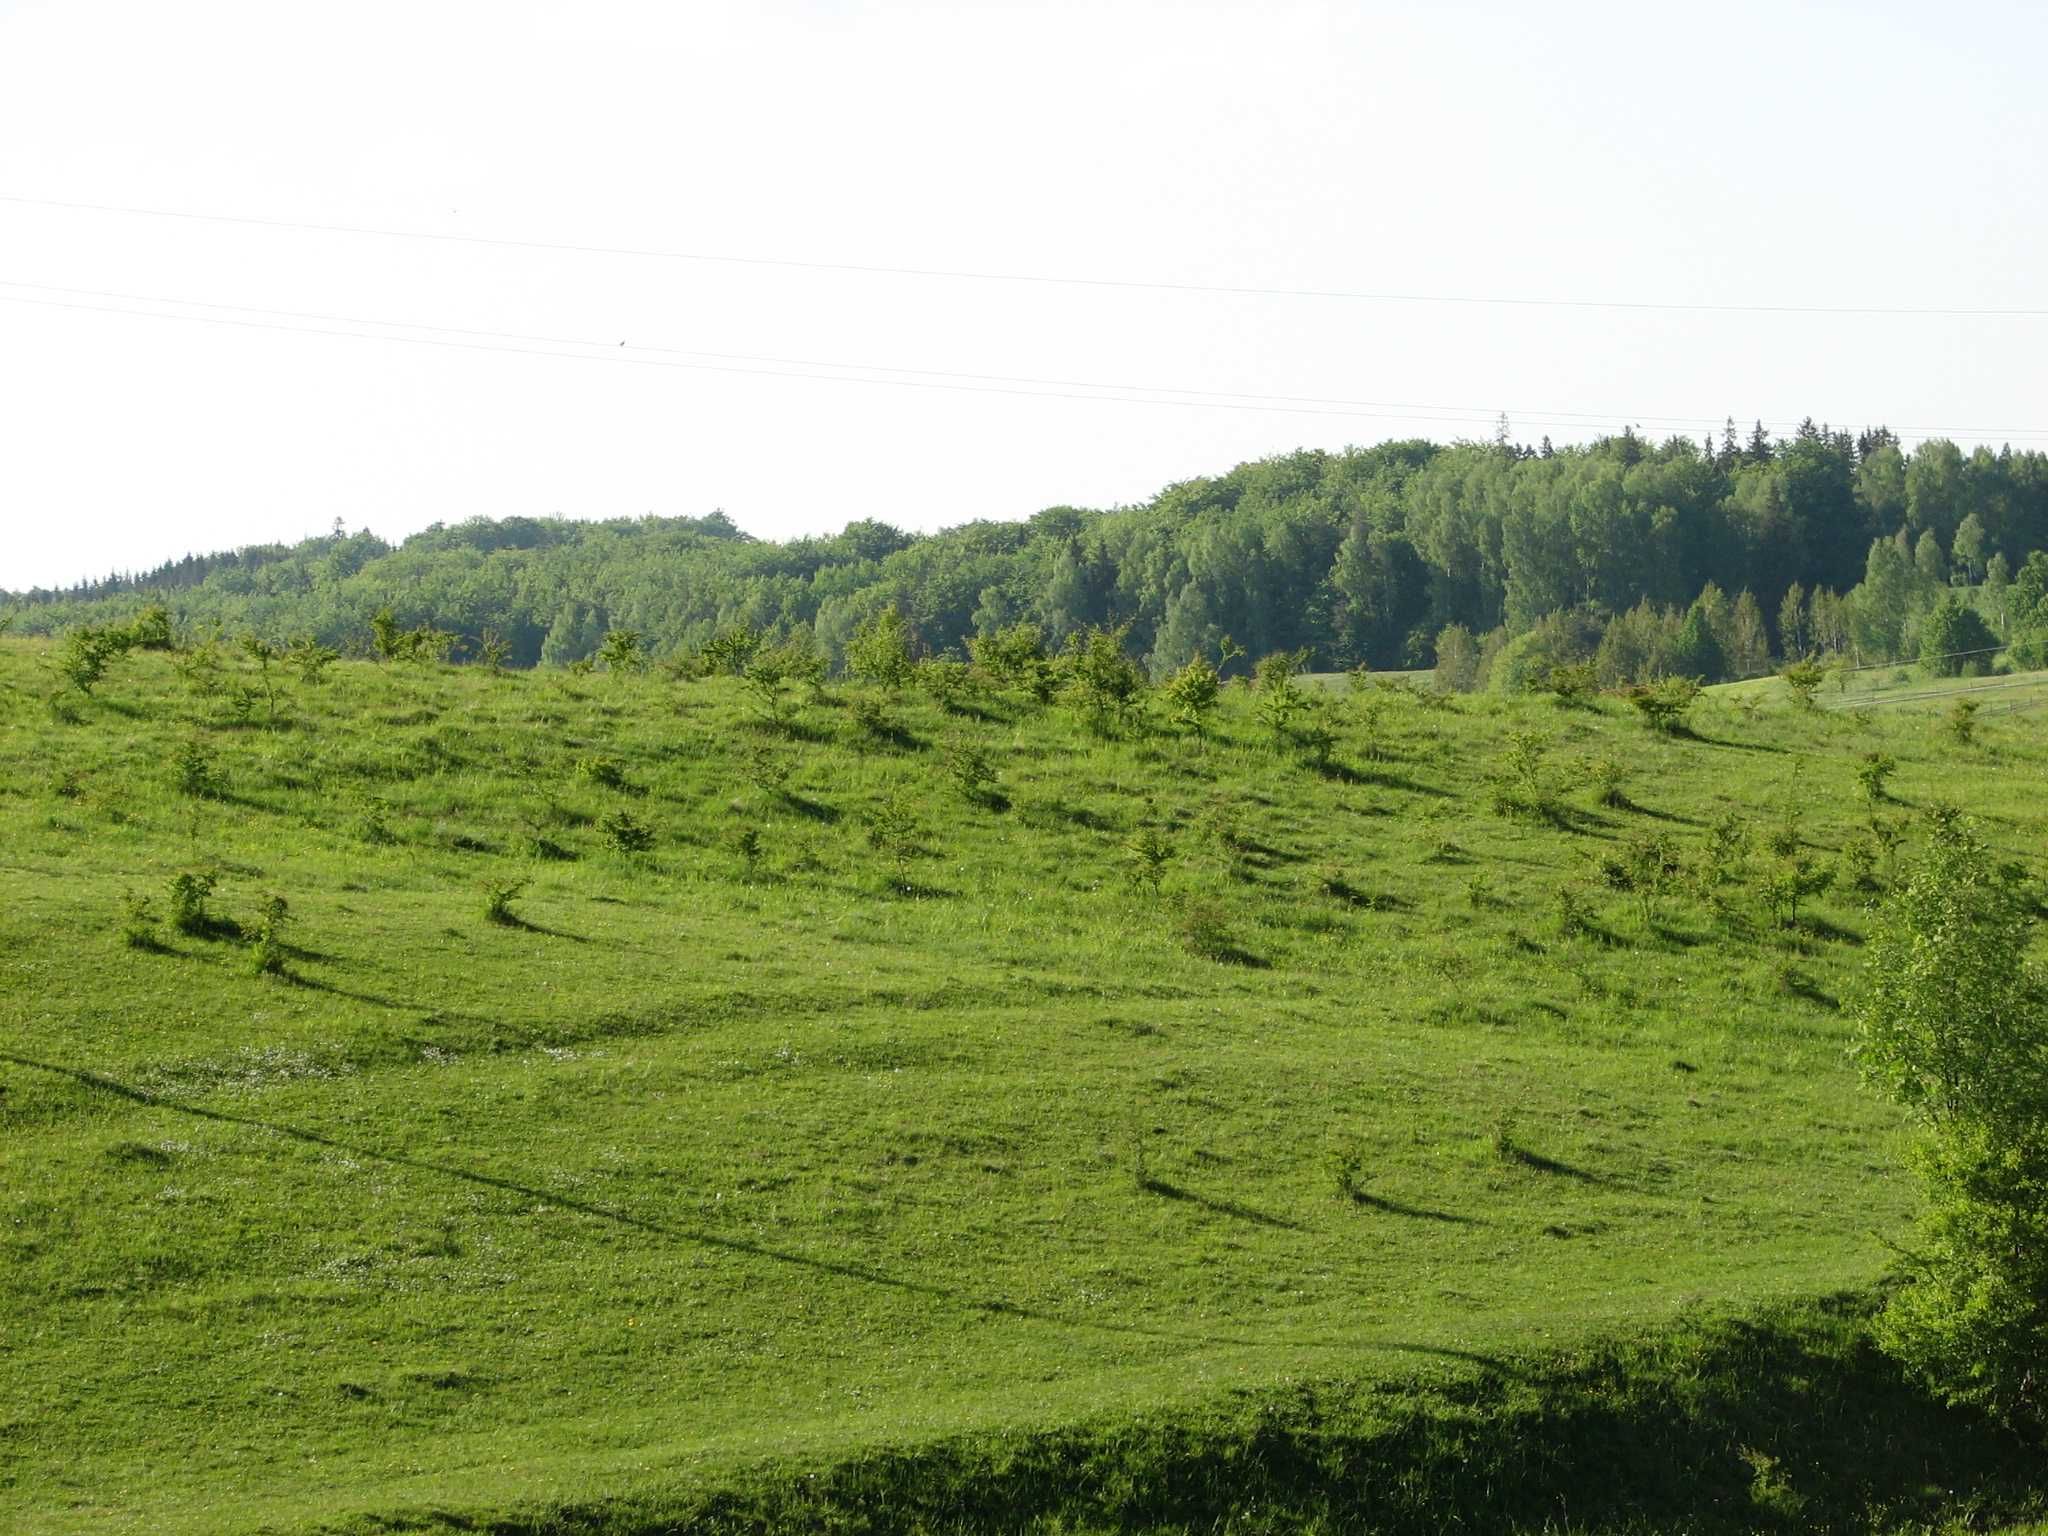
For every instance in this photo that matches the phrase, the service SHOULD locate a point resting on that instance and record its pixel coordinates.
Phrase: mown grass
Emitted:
(875, 1108)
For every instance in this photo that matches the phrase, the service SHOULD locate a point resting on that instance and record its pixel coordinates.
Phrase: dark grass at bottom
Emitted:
(1790, 1422)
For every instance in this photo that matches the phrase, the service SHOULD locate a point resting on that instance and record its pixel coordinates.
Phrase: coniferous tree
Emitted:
(1695, 651)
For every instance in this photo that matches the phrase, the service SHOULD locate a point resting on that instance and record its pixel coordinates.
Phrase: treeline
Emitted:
(1408, 554)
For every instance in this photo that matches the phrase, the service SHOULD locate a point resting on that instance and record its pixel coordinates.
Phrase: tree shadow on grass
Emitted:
(374, 999)
(1677, 938)
(518, 924)
(1368, 901)
(1656, 815)
(863, 1273)
(1372, 1202)
(886, 733)
(1819, 927)
(1522, 1157)
(1804, 987)
(810, 810)
(1687, 733)
(1220, 1207)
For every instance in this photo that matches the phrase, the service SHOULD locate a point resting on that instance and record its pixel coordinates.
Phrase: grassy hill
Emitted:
(1887, 687)
(652, 1101)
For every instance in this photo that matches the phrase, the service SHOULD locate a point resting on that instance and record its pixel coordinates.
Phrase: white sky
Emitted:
(1866, 155)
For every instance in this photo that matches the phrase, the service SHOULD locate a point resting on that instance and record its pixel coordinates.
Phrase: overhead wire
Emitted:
(600, 350)
(2008, 312)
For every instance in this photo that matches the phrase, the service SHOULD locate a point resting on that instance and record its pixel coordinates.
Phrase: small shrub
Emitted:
(624, 833)
(1785, 839)
(1664, 705)
(498, 898)
(1873, 773)
(268, 951)
(1346, 1162)
(150, 630)
(1369, 708)
(605, 772)
(1223, 823)
(731, 650)
(1137, 1162)
(1962, 720)
(745, 840)
(1315, 742)
(200, 667)
(973, 773)
(1727, 842)
(493, 651)
(1204, 930)
(1574, 918)
(386, 638)
(263, 653)
(623, 652)
(1791, 883)
(1804, 678)
(1609, 775)
(944, 681)
(1011, 657)
(1280, 697)
(422, 644)
(1110, 688)
(892, 829)
(86, 654)
(1520, 784)
(1614, 870)
(1889, 832)
(767, 769)
(310, 658)
(1191, 694)
(372, 827)
(794, 663)
(138, 921)
(1653, 866)
(1151, 851)
(879, 651)
(189, 893)
(1500, 1138)
(1573, 686)
(1858, 863)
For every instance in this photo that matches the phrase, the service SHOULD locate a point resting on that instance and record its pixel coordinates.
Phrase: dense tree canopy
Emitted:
(1361, 557)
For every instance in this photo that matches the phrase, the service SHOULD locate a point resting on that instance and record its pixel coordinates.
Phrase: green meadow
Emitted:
(441, 1099)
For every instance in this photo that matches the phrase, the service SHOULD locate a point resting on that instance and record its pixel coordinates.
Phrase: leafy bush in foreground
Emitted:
(1955, 1027)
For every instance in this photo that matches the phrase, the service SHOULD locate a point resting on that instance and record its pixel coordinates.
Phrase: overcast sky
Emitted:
(1814, 157)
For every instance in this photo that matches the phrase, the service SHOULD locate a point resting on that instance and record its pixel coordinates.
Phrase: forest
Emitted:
(1492, 562)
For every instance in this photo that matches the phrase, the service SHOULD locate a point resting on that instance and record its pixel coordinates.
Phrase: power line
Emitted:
(616, 355)
(1034, 278)
(781, 367)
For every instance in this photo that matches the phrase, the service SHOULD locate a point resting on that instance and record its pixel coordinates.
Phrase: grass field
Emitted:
(1890, 687)
(816, 1100)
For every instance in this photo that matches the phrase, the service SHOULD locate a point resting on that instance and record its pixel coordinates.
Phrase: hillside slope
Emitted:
(847, 1071)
